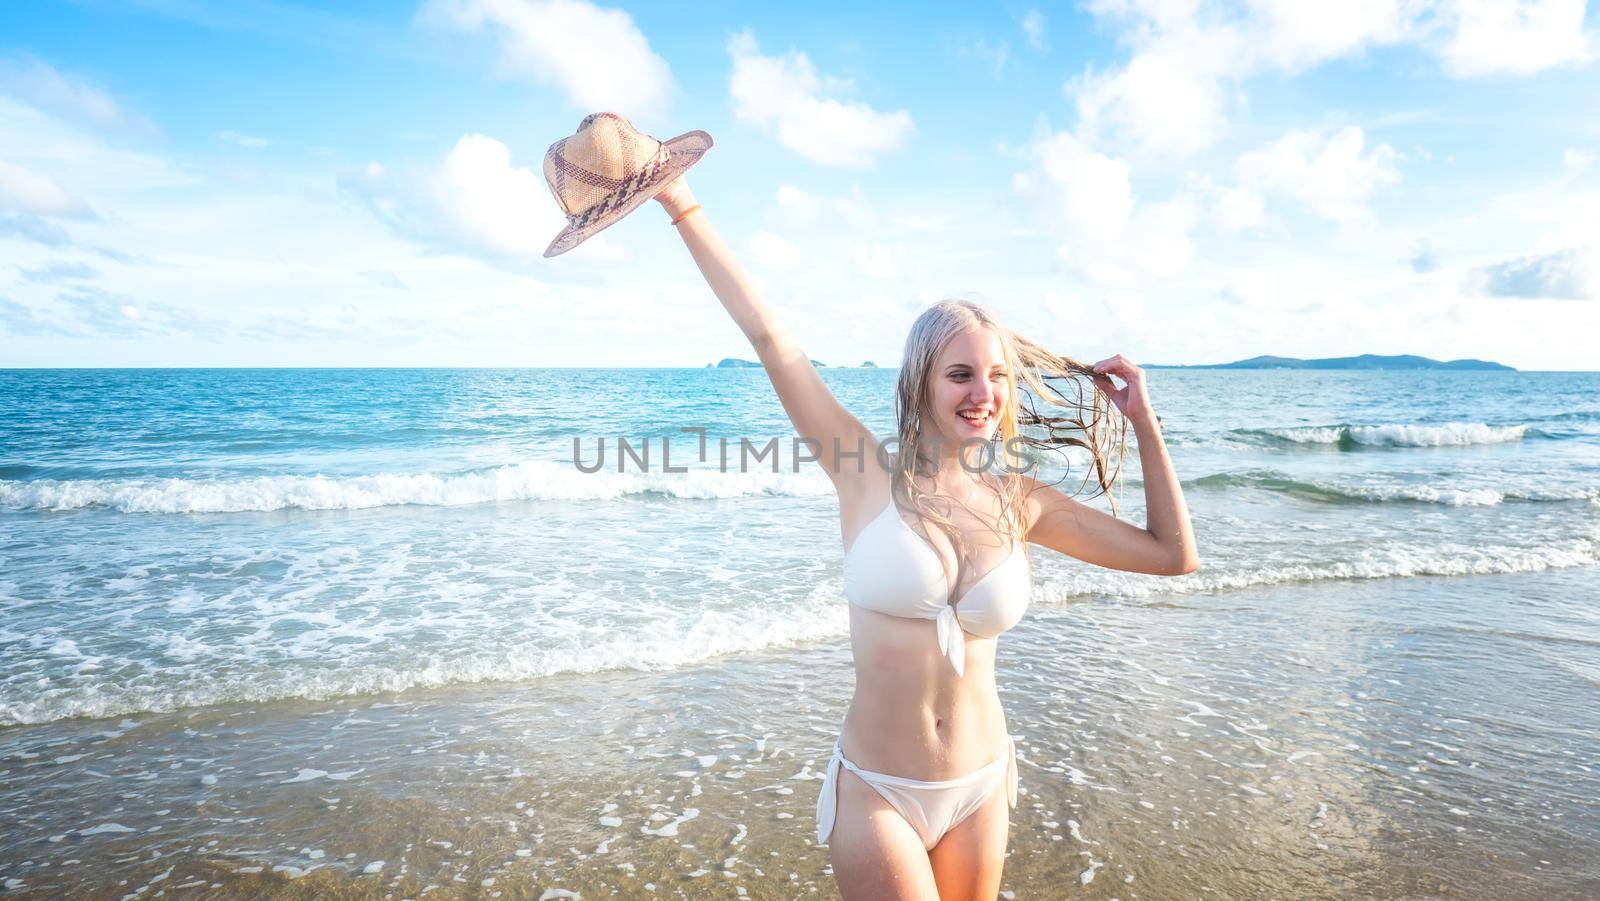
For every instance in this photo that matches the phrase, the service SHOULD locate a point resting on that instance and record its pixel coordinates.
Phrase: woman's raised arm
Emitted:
(817, 415)
(1166, 547)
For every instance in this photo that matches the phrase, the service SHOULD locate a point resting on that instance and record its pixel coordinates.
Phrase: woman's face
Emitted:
(968, 387)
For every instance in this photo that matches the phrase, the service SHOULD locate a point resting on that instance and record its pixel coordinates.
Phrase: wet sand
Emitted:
(1429, 737)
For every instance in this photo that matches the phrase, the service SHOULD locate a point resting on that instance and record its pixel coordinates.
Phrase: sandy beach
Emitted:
(1370, 739)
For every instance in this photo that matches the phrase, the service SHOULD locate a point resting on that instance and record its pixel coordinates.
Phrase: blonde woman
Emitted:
(915, 803)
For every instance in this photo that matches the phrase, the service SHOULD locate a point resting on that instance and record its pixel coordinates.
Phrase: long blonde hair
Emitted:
(1089, 424)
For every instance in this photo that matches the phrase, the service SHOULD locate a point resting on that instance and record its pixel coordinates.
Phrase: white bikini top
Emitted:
(891, 569)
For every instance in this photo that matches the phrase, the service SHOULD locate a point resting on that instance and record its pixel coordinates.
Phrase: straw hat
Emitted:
(607, 169)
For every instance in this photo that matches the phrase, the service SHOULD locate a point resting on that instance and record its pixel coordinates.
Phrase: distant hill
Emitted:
(1365, 361)
(736, 363)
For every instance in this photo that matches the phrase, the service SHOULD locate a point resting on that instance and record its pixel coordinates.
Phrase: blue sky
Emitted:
(251, 183)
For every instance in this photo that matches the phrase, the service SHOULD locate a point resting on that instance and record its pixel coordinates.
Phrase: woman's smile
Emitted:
(978, 419)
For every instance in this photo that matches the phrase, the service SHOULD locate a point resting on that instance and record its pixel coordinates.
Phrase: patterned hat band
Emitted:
(629, 187)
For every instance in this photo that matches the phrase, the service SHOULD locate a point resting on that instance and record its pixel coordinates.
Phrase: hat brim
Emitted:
(683, 152)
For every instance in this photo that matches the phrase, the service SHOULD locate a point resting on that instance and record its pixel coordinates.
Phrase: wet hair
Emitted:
(1062, 408)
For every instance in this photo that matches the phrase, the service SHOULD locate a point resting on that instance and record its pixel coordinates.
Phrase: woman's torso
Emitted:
(912, 714)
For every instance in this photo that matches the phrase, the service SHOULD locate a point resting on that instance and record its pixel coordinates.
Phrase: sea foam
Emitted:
(1391, 561)
(1341, 492)
(652, 647)
(821, 616)
(1450, 434)
(535, 480)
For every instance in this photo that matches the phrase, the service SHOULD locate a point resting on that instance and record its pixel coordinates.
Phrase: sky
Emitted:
(274, 184)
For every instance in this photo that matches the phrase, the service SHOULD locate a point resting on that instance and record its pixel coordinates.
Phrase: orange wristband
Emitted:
(685, 214)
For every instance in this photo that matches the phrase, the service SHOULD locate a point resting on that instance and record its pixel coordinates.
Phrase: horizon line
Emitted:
(1219, 367)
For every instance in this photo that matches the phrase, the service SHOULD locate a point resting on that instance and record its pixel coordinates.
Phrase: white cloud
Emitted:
(914, 222)
(1123, 309)
(1516, 37)
(57, 271)
(1149, 16)
(1159, 244)
(243, 140)
(1172, 96)
(773, 251)
(783, 94)
(1424, 258)
(798, 202)
(996, 55)
(1238, 209)
(878, 260)
(41, 86)
(1033, 29)
(1105, 234)
(1089, 193)
(1332, 177)
(277, 269)
(1557, 210)
(34, 193)
(1252, 288)
(477, 201)
(1575, 160)
(85, 163)
(1567, 274)
(1168, 100)
(845, 228)
(803, 207)
(1295, 34)
(596, 55)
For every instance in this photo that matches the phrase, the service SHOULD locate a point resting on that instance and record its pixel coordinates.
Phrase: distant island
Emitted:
(736, 363)
(1365, 361)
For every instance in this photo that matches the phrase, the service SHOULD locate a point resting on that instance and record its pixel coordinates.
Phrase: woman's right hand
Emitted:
(676, 197)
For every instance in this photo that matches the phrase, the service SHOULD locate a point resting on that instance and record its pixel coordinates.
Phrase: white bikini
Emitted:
(893, 570)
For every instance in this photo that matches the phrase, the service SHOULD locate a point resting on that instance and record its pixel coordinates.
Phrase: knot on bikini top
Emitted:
(952, 641)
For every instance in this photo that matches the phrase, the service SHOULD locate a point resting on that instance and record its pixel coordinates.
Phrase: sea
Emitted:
(478, 606)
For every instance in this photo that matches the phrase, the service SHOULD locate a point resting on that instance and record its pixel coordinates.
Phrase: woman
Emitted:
(913, 805)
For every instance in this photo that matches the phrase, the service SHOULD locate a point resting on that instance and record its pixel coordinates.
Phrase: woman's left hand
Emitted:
(676, 196)
(1132, 398)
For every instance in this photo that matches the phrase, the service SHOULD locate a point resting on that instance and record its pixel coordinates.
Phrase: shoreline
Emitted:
(1286, 740)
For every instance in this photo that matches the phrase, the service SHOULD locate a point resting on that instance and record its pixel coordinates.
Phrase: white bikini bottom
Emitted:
(932, 808)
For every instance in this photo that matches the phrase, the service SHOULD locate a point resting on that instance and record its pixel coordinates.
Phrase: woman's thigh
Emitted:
(874, 851)
(968, 861)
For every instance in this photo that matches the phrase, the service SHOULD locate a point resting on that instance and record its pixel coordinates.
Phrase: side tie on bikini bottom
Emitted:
(932, 808)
